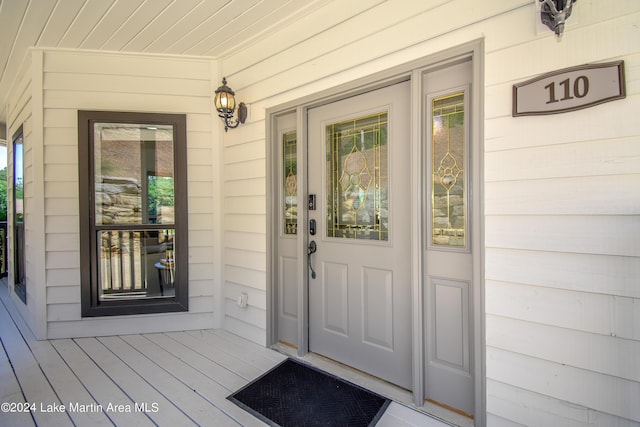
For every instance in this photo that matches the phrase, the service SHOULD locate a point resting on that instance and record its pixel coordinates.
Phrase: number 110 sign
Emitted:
(569, 89)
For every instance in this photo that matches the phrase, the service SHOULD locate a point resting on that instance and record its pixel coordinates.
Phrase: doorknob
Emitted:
(311, 249)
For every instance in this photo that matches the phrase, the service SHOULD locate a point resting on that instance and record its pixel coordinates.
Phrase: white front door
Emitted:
(360, 287)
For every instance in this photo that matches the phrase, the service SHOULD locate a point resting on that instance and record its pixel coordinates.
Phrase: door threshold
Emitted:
(384, 388)
(449, 408)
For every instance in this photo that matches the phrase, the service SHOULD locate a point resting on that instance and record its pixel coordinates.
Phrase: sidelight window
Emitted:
(290, 182)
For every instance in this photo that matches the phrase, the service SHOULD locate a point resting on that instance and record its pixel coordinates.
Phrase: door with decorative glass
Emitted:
(448, 256)
(359, 242)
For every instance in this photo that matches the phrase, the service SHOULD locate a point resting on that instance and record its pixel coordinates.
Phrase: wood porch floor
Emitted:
(173, 379)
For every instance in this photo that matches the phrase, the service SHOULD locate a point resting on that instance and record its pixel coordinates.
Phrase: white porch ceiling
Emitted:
(213, 28)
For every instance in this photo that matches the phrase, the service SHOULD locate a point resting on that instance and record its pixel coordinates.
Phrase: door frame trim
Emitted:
(413, 72)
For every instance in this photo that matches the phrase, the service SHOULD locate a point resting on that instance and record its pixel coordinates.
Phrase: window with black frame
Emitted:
(19, 261)
(133, 201)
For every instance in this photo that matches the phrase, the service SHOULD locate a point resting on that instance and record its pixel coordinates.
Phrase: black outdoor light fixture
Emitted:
(554, 13)
(225, 102)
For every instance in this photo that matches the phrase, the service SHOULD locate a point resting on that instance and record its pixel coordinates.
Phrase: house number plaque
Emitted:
(569, 89)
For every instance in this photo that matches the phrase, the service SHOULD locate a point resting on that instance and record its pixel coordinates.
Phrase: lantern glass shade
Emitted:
(225, 102)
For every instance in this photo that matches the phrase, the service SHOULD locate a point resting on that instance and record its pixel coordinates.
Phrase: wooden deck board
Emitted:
(203, 389)
(153, 364)
(155, 405)
(194, 354)
(10, 392)
(186, 376)
(35, 386)
(205, 343)
(100, 386)
(262, 358)
(64, 382)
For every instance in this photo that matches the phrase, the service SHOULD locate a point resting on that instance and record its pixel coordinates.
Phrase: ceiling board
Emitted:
(142, 17)
(11, 15)
(34, 21)
(85, 21)
(292, 33)
(217, 24)
(63, 15)
(185, 27)
(191, 20)
(253, 21)
(110, 24)
(161, 24)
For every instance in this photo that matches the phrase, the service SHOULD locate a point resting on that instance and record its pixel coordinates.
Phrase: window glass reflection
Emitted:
(448, 159)
(134, 174)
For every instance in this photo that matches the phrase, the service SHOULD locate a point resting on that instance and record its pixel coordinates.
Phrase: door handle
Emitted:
(311, 249)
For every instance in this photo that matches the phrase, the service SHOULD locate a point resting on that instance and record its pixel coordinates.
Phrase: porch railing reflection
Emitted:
(3, 249)
(136, 263)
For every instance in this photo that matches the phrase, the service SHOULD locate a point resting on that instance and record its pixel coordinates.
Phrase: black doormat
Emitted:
(294, 394)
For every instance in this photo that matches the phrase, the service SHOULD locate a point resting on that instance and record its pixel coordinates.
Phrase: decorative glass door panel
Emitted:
(290, 182)
(357, 178)
(448, 154)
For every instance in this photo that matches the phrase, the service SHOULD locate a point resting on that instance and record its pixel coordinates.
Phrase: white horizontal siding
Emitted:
(594, 40)
(153, 66)
(102, 327)
(562, 254)
(582, 159)
(522, 407)
(604, 393)
(582, 311)
(571, 196)
(243, 152)
(341, 42)
(24, 110)
(244, 217)
(243, 257)
(133, 101)
(245, 205)
(595, 352)
(97, 81)
(591, 234)
(63, 277)
(605, 274)
(244, 170)
(125, 84)
(245, 241)
(245, 276)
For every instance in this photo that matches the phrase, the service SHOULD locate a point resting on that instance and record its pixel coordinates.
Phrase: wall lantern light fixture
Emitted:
(225, 103)
(554, 13)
